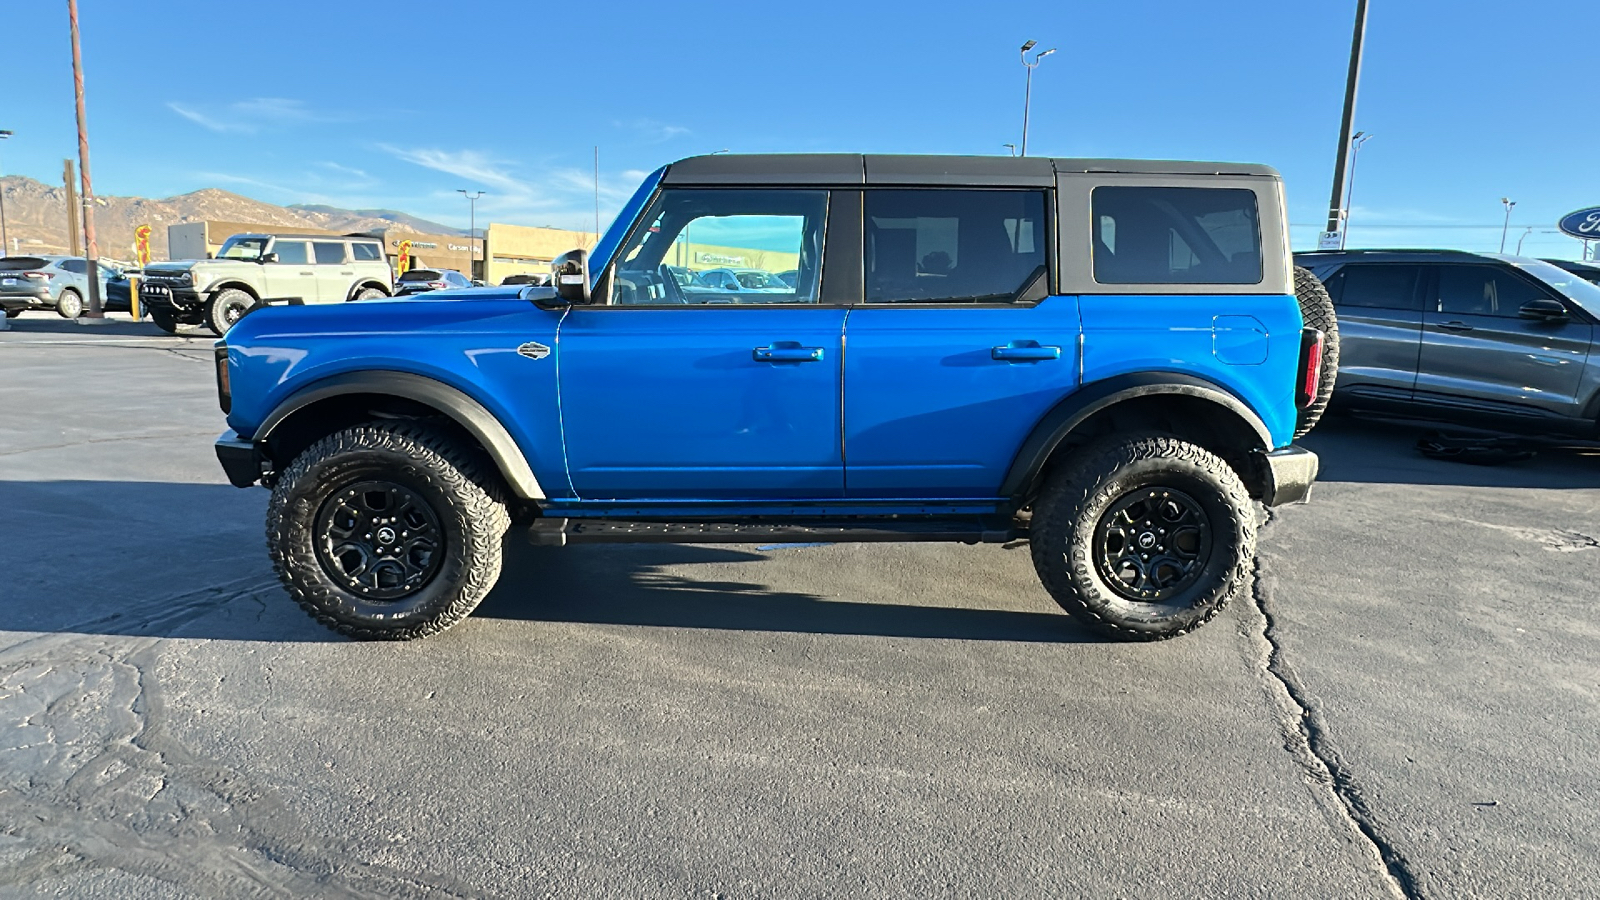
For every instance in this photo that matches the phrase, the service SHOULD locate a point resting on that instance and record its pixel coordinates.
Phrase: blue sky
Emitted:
(398, 104)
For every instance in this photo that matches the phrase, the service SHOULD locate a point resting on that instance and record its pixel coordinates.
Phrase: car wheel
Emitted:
(1316, 308)
(389, 530)
(164, 320)
(226, 308)
(1144, 539)
(370, 293)
(70, 304)
(13, 313)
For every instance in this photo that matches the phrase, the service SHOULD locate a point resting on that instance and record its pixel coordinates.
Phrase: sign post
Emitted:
(141, 249)
(1330, 240)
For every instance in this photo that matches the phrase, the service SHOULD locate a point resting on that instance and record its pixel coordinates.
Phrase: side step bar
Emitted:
(969, 530)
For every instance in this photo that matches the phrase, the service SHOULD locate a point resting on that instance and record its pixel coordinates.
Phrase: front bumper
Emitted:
(172, 296)
(241, 459)
(1288, 475)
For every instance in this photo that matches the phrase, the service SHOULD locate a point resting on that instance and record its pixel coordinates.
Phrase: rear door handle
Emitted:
(786, 351)
(1454, 326)
(1024, 351)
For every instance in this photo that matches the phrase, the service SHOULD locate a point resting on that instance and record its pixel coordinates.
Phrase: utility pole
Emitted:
(74, 233)
(1358, 39)
(5, 242)
(96, 310)
(597, 196)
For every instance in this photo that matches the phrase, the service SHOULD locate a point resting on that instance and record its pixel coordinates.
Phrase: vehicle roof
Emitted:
(303, 237)
(1398, 255)
(877, 169)
(1572, 265)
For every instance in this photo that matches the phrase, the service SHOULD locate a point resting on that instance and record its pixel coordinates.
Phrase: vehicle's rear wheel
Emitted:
(13, 313)
(389, 530)
(369, 293)
(1316, 308)
(164, 319)
(1143, 539)
(227, 307)
(70, 304)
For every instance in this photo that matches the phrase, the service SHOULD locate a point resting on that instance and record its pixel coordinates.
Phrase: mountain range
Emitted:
(36, 217)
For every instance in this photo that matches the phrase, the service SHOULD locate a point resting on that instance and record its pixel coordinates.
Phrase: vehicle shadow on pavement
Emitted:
(1378, 451)
(623, 584)
(114, 325)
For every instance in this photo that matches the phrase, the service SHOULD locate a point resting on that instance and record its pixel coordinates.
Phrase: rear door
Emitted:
(1478, 350)
(956, 349)
(1379, 308)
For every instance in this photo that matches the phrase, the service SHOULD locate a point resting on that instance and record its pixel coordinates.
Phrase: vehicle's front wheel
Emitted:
(369, 293)
(227, 307)
(389, 530)
(70, 304)
(13, 313)
(164, 320)
(1144, 539)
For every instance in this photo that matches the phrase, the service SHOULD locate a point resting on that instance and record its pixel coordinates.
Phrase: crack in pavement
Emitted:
(1307, 739)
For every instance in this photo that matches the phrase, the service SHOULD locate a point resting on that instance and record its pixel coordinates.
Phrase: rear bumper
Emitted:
(14, 300)
(240, 459)
(1289, 474)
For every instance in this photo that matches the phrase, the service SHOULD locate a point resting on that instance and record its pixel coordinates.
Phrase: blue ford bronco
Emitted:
(1108, 358)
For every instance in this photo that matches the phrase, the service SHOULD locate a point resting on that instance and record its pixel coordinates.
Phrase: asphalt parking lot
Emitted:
(1406, 707)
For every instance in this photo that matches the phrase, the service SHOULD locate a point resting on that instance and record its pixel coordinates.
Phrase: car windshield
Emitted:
(1573, 287)
(758, 280)
(242, 248)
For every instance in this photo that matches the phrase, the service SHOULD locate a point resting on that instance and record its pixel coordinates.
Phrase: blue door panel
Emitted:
(937, 400)
(673, 404)
(1204, 335)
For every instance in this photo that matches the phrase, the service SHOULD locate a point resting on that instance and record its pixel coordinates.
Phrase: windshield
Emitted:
(1573, 287)
(242, 248)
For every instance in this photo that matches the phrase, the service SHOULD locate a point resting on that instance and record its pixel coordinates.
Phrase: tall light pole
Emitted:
(472, 232)
(1361, 137)
(1352, 78)
(1508, 203)
(5, 242)
(1027, 96)
(96, 311)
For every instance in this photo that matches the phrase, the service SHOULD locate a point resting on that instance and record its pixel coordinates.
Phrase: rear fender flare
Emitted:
(452, 402)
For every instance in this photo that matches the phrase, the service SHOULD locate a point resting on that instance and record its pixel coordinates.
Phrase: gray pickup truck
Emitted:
(253, 270)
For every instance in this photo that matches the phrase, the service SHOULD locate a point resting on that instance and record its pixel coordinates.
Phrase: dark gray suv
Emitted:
(1486, 339)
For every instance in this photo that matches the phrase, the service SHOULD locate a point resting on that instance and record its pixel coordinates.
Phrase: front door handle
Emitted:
(1024, 351)
(786, 351)
(1454, 326)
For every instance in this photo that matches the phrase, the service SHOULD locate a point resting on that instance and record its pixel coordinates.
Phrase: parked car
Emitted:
(525, 278)
(1483, 339)
(59, 283)
(742, 280)
(1111, 362)
(254, 270)
(1587, 271)
(420, 281)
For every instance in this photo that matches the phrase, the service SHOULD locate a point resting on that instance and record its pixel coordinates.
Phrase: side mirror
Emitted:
(571, 276)
(1544, 309)
(268, 258)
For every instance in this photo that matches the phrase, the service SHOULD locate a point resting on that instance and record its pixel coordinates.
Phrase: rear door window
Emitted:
(954, 246)
(1176, 235)
(1377, 287)
(366, 252)
(75, 266)
(328, 253)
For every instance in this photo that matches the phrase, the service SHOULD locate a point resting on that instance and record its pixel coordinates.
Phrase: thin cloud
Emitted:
(652, 131)
(250, 116)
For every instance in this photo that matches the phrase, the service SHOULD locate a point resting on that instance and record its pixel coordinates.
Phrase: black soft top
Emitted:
(863, 169)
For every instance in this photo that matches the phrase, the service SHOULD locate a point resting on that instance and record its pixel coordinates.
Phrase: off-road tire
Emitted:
(457, 482)
(369, 293)
(164, 320)
(1069, 511)
(1316, 308)
(70, 304)
(226, 308)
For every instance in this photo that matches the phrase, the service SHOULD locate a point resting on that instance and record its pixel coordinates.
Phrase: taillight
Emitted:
(437, 284)
(1311, 343)
(42, 276)
(224, 383)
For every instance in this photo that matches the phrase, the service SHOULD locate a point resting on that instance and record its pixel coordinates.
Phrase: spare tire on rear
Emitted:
(1316, 308)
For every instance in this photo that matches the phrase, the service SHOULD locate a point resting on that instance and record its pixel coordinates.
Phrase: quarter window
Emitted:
(329, 253)
(715, 247)
(1172, 235)
(75, 266)
(954, 246)
(291, 252)
(1377, 287)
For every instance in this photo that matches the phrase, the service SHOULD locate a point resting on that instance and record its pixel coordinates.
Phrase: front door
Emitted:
(292, 276)
(956, 351)
(672, 391)
(1478, 350)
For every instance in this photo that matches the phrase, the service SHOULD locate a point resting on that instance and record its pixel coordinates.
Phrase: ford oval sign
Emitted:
(1583, 224)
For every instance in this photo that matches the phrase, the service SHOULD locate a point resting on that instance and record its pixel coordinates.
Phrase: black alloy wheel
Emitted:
(1152, 544)
(379, 540)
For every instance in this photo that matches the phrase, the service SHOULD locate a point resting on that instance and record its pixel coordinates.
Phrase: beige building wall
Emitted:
(520, 249)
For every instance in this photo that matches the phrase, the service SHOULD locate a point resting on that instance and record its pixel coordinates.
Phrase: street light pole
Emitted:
(1027, 96)
(5, 242)
(1508, 202)
(91, 248)
(1352, 78)
(1523, 238)
(472, 232)
(1360, 138)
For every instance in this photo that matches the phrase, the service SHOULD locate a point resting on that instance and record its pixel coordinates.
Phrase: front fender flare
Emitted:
(462, 409)
(1071, 412)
